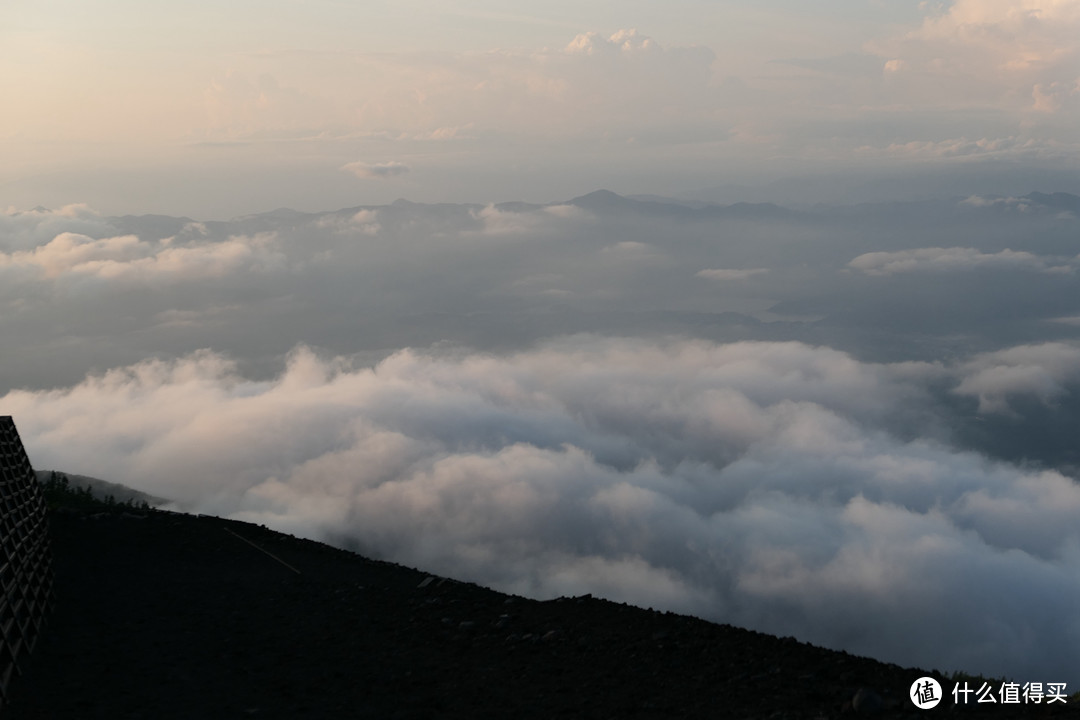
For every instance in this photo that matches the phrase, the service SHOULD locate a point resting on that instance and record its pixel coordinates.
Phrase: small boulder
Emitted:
(867, 701)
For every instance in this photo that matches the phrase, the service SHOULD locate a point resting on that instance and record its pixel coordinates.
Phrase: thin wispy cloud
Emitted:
(710, 101)
(952, 260)
(730, 273)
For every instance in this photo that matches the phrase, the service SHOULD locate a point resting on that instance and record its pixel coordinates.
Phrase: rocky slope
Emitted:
(160, 615)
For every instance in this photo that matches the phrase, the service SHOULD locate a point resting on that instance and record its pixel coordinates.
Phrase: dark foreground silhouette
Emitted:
(162, 615)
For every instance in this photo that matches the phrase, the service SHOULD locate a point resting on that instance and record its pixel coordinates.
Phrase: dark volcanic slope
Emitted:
(172, 616)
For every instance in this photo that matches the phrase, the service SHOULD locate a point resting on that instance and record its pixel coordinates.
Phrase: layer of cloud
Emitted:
(1017, 52)
(952, 259)
(1044, 372)
(1011, 203)
(377, 278)
(596, 82)
(949, 84)
(376, 170)
(764, 484)
(626, 41)
(1013, 147)
(365, 222)
(129, 258)
(731, 273)
(27, 229)
(1025, 34)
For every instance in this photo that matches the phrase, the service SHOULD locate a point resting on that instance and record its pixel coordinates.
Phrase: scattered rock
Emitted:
(867, 701)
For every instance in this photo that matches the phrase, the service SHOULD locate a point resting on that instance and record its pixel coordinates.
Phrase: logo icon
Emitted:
(925, 693)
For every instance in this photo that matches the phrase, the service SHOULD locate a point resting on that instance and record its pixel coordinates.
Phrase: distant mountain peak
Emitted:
(1056, 200)
(600, 199)
(601, 194)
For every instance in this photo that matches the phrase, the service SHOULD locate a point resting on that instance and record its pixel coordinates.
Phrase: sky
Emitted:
(750, 311)
(214, 110)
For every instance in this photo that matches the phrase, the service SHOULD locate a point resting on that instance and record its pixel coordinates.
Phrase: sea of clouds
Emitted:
(836, 478)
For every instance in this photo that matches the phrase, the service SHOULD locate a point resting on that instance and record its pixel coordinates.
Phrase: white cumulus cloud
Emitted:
(127, 257)
(1041, 371)
(753, 483)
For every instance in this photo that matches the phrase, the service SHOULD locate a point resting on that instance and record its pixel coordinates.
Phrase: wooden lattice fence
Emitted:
(26, 580)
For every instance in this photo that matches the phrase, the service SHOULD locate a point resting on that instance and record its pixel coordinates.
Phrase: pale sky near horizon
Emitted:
(214, 109)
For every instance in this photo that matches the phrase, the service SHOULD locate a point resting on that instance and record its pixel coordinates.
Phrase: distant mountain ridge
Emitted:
(600, 202)
(103, 489)
(605, 201)
(1058, 200)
